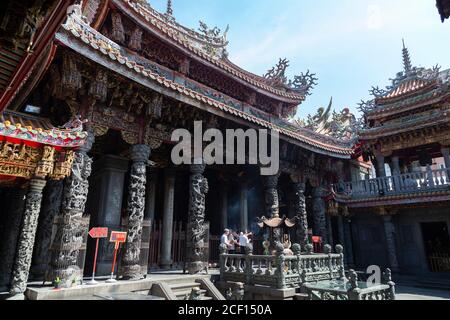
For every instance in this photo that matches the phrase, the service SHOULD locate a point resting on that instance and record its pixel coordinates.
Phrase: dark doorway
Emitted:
(437, 245)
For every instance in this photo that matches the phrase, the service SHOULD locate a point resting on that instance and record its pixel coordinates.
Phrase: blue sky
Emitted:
(350, 44)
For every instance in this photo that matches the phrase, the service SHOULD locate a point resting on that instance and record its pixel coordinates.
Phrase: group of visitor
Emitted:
(236, 243)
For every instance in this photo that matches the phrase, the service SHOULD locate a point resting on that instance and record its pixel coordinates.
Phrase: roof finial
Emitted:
(169, 8)
(406, 58)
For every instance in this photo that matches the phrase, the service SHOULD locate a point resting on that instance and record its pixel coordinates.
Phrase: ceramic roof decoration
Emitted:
(20, 126)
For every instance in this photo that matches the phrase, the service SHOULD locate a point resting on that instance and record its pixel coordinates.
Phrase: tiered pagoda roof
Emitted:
(404, 105)
(79, 35)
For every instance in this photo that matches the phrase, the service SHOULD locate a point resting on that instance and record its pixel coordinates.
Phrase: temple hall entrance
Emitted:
(437, 245)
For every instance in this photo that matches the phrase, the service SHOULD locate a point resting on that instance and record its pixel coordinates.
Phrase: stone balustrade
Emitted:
(282, 271)
(311, 276)
(397, 184)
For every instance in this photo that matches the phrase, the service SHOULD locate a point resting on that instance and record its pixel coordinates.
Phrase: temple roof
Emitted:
(90, 39)
(208, 45)
(21, 126)
(412, 87)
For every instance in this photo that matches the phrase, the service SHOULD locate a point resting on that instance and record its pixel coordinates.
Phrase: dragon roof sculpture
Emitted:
(327, 122)
(303, 83)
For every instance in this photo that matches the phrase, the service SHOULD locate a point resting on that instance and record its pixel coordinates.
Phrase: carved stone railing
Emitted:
(282, 271)
(313, 276)
(398, 184)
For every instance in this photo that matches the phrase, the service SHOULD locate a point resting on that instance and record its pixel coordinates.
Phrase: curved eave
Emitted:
(21, 127)
(412, 198)
(89, 43)
(382, 132)
(408, 104)
(406, 90)
(162, 32)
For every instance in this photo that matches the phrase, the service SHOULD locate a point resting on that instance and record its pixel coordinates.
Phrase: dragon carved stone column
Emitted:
(272, 203)
(300, 212)
(196, 224)
(390, 233)
(25, 246)
(12, 221)
(271, 196)
(319, 216)
(51, 204)
(71, 226)
(130, 267)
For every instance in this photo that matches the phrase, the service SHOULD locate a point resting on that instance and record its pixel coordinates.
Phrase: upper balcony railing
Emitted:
(406, 183)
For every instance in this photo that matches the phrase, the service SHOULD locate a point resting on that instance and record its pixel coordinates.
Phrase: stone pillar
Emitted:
(12, 220)
(71, 227)
(381, 166)
(396, 172)
(150, 203)
(430, 177)
(196, 231)
(244, 207)
(25, 246)
(330, 231)
(51, 205)
(272, 204)
(391, 246)
(348, 245)
(105, 206)
(341, 231)
(130, 267)
(167, 232)
(446, 154)
(300, 212)
(319, 215)
(396, 165)
(224, 206)
(271, 196)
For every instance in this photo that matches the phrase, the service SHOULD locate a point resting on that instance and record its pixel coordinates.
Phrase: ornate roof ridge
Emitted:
(28, 127)
(90, 37)
(221, 61)
(169, 19)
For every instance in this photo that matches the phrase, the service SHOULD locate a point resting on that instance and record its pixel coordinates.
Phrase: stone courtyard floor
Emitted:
(405, 290)
(414, 293)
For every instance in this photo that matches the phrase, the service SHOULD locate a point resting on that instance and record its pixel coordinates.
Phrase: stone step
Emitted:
(184, 286)
(434, 284)
(301, 296)
(183, 293)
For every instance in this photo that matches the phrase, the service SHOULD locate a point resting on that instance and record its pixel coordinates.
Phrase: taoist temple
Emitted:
(90, 93)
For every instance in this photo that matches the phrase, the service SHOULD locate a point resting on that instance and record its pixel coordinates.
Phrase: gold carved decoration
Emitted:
(63, 167)
(18, 160)
(47, 162)
(154, 138)
(100, 130)
(130, 137)
(22, 161)
(153, 143)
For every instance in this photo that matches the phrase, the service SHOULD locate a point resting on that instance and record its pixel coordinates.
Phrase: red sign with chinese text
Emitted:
(98, 233)
(118, 237)
(317, 239)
